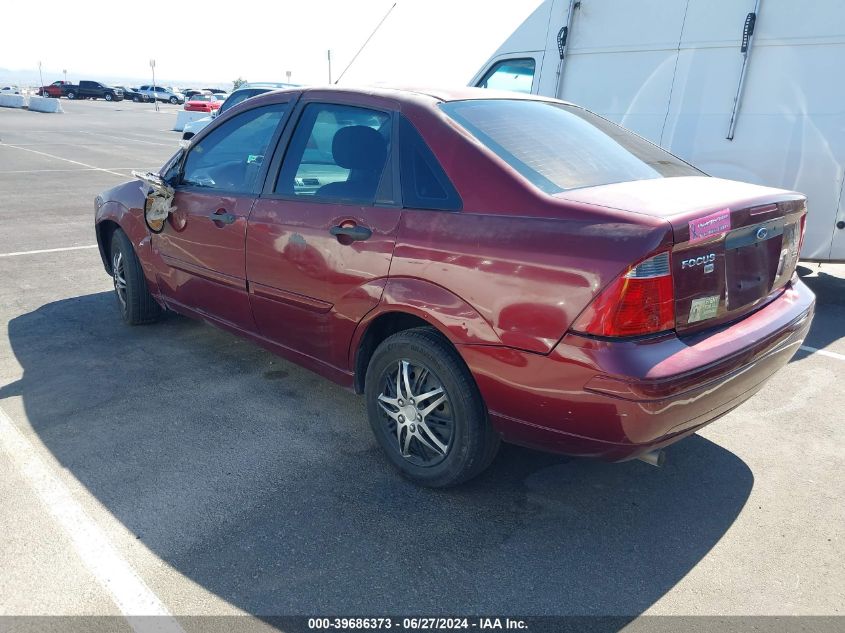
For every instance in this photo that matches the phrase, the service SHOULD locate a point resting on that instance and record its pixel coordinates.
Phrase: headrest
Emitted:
(359, 147)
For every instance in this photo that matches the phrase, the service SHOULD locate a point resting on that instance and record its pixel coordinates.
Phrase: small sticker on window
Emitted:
(703, 308)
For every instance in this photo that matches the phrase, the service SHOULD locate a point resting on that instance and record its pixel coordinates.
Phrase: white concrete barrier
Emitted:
(44, 104)
(12, 101)
(185, 117)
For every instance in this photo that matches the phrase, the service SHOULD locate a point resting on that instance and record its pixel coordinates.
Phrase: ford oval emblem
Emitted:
(762, 232)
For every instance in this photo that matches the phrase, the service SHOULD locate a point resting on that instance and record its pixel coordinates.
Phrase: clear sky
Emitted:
(434, 42)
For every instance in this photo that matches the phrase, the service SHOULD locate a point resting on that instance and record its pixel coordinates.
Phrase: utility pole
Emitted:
(64, 72)
(155, 94)
(40, 78)
(287, 74)
(330, 65)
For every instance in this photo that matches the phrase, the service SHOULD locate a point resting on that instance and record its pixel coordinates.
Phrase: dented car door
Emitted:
(202, 242)
(321, 237)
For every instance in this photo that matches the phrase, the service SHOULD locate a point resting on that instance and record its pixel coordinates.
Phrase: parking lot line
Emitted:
(134, 140)
(48, 250)
(823, 352)
(67, 160)
(42, 171)
(130, 593)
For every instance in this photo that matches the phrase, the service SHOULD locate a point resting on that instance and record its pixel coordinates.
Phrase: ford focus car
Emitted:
(480, 266)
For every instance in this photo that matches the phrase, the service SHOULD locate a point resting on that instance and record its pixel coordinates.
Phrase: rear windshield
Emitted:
(559, 147)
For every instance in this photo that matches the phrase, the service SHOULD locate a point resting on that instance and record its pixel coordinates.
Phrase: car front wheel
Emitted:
(426, 411)
(108, 97)
(134, 300)
(174, 100)
(71, 95)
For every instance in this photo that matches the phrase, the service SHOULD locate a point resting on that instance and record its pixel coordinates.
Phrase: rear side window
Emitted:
(559, 147)
(516, 75)
(424, 183)
(337, 153)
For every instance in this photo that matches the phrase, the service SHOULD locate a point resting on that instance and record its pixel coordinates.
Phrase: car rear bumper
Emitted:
(618, 399)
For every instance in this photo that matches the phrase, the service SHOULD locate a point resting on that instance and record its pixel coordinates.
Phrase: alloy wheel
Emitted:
(119, 276)
(417, 412)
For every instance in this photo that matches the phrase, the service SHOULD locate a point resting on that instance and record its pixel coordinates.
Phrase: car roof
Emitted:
(459, 93)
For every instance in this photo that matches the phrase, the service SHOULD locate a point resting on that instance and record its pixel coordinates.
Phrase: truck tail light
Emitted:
(640, 301)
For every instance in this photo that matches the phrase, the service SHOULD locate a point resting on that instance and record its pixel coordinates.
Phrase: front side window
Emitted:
(337, 152)
(559, 147)
(230, 157)
(516, 75)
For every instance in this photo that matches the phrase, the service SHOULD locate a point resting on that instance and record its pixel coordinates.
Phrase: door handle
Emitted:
(354, 232)
(221, 217)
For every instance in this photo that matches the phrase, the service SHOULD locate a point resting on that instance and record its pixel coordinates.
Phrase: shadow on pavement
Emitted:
(262, 483)
(828, 322)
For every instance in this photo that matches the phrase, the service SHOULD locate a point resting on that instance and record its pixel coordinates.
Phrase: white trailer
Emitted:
(751, 90)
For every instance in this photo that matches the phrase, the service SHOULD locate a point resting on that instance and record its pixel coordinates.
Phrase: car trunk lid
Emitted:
(735, 244)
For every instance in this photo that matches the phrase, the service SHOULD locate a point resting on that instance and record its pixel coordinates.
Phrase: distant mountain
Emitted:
(28, 77)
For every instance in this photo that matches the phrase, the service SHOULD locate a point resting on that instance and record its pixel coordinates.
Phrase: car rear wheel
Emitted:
(71, 94)
(136, 99)
(426, 411)
(174, 100)
(134, 300)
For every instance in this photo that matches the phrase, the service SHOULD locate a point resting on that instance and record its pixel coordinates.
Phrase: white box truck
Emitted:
(751, 90)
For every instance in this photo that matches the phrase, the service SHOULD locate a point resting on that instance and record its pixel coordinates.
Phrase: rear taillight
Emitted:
(640, 301)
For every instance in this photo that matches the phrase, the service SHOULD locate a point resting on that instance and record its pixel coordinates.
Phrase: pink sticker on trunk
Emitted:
(710, 225)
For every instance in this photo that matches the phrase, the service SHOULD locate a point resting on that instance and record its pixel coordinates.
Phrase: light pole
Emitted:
(330, 65)
(64, 72)
(155, 94)
(287, 74)
(40, 78)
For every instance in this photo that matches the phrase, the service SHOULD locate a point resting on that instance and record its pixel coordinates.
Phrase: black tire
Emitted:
(174, 100)
(135, 303)
(471, 441)
(136, 99)
(71, 95)
(108, 96)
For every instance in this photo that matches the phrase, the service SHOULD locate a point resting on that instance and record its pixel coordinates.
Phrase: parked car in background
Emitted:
(10, 89)
(509, 267)
(241, 94)
(205, 102)
(190, 92)
(134, 94)
(56, 89)
(160, 93)
(93, 90)
(699, 98)
(214, 91)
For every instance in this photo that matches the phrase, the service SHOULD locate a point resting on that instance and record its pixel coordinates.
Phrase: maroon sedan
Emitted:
(481, 266)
